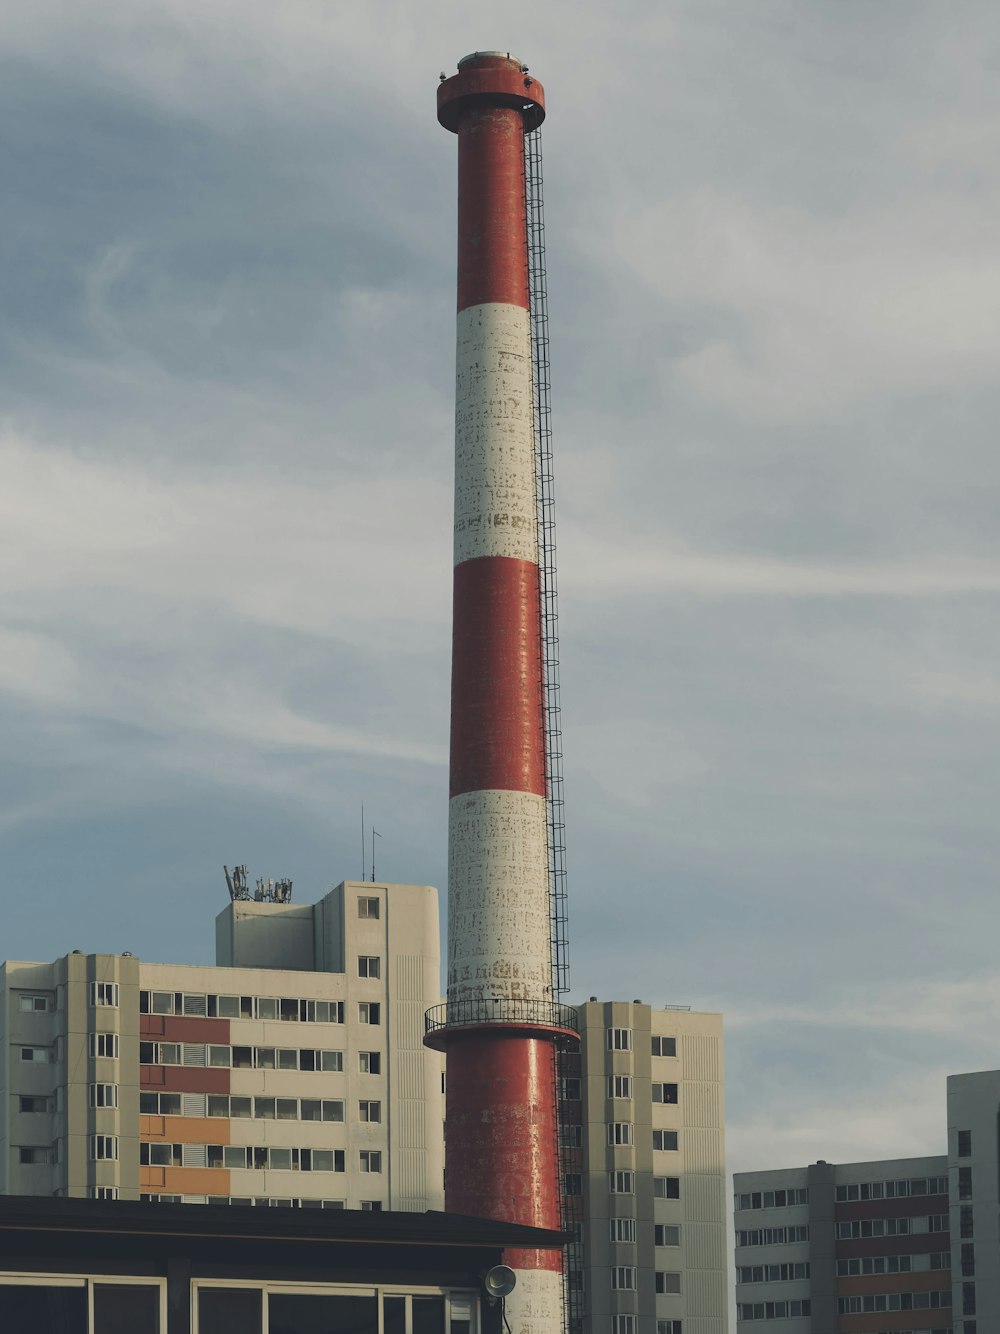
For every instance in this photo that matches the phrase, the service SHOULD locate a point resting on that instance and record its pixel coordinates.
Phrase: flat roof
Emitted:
(23, 1213)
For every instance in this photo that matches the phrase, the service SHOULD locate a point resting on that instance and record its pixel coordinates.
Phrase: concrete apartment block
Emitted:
(293, 1071)
(652, 1171)
(844, 1248)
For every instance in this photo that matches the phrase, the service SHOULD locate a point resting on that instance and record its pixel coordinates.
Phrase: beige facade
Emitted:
(652, 1171)
(293, 1072)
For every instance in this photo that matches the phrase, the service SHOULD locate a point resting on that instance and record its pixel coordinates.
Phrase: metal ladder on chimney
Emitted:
(565, 1057)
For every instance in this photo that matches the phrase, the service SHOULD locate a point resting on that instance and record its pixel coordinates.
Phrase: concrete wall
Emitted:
(697, 1164)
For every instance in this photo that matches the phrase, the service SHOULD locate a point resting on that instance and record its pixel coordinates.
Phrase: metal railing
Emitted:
(500, 1010)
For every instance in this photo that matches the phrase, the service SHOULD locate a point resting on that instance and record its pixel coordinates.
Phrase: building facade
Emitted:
(974, 1177)
(847, 1248)
(292, 1072)
(645, 1164)
(86, 1267)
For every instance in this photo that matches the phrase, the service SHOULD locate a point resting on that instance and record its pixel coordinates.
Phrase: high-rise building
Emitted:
(844, 1248)
(649, 1175)
(292, 1072)
(974, 1174)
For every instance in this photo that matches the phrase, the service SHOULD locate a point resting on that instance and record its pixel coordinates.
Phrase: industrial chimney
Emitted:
(502, 1025)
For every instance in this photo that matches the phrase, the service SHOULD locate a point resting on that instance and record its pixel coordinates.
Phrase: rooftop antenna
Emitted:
(362, 842)
(268, 891)
(237, 882)
(375, 835)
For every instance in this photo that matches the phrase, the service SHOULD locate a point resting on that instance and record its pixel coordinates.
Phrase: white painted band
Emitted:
(499, 930)
(495, 511)
(536, 1304)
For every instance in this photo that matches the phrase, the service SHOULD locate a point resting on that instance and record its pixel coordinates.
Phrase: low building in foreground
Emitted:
(294, 1072)
(87, 1267)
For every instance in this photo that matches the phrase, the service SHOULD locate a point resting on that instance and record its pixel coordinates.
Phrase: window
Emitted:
(965, 1183)
(33, 1154)
(369, 1012)
(664, 1139)
(665, 1235)
(370, 1160)
(40, 1055)
(370, 1111)
(623, 1278)
(667, 1281)
(572, 1184)
(964, 1142)
(103, 1147)
(369, 965)
(32, 1103)
(104, 1095)
(623, 1229)
(664, 1046)
(619, 1132)
(669, 1327)
(569, 1090)
(104, 1044)
(621, 1183)
(571, 1136)
(619, 1039)
(773, 1236)
(624, 1324)
(667, 1188)
(781, 1310)
(372, 1206)
(368, 907)
(968, 1260)
(664, 1092)
(33, 1004)
(104, 993)
(103, 1192)
(965, 1226)
(370, 1062)
(619, 1086)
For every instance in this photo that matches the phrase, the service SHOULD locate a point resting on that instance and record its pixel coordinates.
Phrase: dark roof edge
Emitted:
(321, 1225)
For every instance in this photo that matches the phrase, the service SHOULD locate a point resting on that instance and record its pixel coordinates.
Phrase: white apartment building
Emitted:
(291, 1072)
(647, 1167)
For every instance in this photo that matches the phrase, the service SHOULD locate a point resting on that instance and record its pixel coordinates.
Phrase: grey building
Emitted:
(974, 1178)
(844, 1248)
(646, 1170)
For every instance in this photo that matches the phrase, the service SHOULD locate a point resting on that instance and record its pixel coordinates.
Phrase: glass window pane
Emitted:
(221, 1310)
(393, 1315)
(54, 1310)
(292, 1313)
(120, 1308)
(428, 1315)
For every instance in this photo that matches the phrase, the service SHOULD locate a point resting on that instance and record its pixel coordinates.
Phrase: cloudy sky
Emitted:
(226, 377)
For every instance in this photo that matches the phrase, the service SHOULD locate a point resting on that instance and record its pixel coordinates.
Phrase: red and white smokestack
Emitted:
(501, 1022)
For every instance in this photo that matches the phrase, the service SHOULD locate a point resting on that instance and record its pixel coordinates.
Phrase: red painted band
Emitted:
(492, 230)
(497, 741)
(184, 1028)
(503, 1158)
(183, 1079)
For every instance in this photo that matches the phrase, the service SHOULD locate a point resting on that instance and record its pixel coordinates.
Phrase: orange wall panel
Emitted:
(196, 1129)
(196, 1180)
